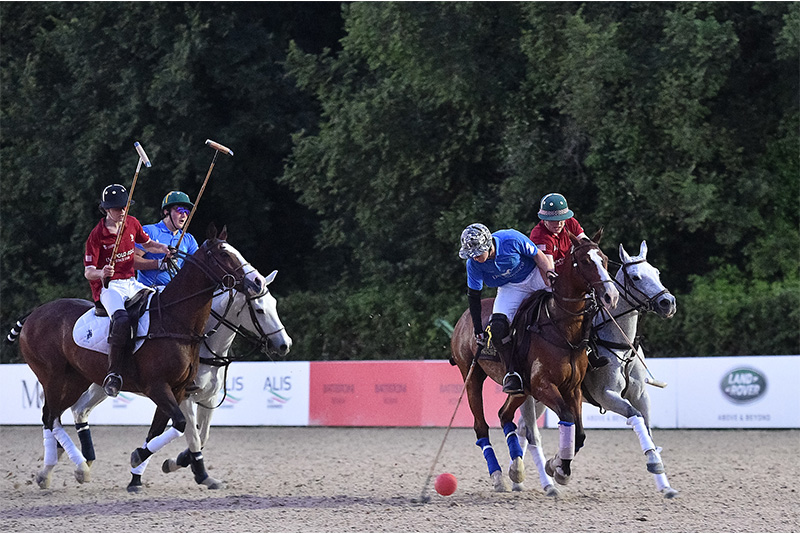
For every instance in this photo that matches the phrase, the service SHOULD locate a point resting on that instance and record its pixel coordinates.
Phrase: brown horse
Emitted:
(161, 369)
(552, 341)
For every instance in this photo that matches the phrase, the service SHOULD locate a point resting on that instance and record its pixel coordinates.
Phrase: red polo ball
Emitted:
(445, 484)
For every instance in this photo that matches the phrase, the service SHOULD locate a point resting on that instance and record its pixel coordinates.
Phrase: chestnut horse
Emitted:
(161, 369)
(551, 337)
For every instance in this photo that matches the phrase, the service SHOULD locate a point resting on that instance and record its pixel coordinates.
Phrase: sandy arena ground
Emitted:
(364, 480)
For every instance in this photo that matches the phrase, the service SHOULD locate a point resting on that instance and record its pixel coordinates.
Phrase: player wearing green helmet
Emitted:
(154, 269)
(552, 239)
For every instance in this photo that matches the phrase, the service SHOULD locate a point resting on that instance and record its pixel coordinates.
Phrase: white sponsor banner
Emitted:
(742, 392)
(259, 393)
(265, 393)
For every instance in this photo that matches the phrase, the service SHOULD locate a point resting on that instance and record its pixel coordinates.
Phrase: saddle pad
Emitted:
(91, 332)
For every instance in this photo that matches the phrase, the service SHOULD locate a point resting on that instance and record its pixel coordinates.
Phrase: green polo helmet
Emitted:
(553, 207)
(176, 198)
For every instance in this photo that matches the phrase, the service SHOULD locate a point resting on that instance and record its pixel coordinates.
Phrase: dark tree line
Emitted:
(367, 135)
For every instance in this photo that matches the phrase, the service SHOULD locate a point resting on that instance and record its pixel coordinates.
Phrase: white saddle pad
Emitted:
(91, 331)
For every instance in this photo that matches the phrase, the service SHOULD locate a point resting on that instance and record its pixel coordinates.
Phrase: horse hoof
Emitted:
(82, 473)
(43, 479)
(499, 482)
(212, 484)
(669, 493)
(551, 491)
(517, 486)
(516, 471)
(170, 466)
(656, 469)
(135, 488)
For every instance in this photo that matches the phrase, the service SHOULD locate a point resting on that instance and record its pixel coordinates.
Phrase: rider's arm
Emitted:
(155, 247)
(474, 299)
(140, 263)
(545, 264)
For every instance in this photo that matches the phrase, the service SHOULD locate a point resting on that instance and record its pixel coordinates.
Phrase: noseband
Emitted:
(646, 304)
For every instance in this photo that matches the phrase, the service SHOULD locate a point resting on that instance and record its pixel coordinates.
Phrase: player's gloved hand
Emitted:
(480, 339)
(551, 277)
(166, 263)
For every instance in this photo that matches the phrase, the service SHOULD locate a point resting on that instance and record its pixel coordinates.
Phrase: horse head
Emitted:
(642, 283)
(263, 320)
(588, 262)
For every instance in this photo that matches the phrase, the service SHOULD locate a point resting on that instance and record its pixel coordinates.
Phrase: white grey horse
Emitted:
(231, 312)
(620, 385)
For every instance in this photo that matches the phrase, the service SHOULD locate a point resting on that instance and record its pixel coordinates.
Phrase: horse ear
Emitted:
(223, 235)
(623, 255)
(598, 235)
(211, 232)
(643, 250)
(271, 277)
(573, 238)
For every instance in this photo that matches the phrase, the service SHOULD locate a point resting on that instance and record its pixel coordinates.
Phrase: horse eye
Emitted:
(260, 311)
(636, 278)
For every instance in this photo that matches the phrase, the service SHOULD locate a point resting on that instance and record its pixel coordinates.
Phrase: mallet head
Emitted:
(219, 147)
(142, 155)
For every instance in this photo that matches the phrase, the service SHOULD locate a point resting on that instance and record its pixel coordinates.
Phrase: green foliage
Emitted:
(366, 142)
(728, 314)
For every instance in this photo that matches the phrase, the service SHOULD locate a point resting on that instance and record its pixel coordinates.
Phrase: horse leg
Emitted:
(164, 398)
(82, 471)
(195, 449)
(87, 402)
(475, 398)
(516, 470)
(558, 467)
(531, 440)
(157, 427)
(50, 459)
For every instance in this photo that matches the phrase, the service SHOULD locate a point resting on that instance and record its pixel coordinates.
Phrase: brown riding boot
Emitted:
(119, 339)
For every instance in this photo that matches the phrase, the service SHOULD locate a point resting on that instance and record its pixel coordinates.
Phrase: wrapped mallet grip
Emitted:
(142, 154)
(219, 147)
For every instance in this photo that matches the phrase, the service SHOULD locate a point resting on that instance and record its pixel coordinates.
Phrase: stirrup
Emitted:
(112, 384)
(512, 385)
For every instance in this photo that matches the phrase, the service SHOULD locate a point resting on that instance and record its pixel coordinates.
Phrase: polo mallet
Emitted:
(142, 159)
(217, 149)
(424, 497)
(652, 380)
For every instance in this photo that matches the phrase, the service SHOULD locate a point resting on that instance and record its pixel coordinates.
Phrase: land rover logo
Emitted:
(744, 385)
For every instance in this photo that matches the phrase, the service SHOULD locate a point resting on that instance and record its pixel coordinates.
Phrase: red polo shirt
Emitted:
(555, 245)
(100, 244)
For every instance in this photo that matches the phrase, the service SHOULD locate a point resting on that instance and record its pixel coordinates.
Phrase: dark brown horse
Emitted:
(161, 369)
(551, 340)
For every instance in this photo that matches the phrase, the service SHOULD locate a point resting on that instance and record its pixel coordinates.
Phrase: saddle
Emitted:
(92, 328)
(528, 314)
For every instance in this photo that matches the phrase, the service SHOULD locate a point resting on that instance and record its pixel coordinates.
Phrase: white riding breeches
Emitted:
(510, 296)
(114, 296)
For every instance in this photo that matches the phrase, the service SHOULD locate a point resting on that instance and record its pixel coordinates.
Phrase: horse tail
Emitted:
(16, 330)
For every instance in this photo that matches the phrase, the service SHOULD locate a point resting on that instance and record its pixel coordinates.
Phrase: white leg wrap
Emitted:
(645, 441)
(566, 440)
(50, 450)
(139, 469)
(158, 442)
(661, 482)
(66, 442)
(539, 460)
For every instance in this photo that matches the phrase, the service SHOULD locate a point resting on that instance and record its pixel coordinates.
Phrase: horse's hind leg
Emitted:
(88, 401)
(82, 471)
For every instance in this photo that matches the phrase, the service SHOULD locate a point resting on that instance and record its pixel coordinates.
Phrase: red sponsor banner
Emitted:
(394, 393)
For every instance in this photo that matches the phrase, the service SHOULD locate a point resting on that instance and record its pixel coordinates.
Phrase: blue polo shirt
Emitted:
(160, 233)
(513, 261)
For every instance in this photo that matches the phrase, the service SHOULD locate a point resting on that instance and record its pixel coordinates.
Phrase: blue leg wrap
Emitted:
(488, 453)
(514, 450)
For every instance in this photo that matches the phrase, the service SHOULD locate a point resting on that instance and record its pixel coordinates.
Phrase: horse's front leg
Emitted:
(474, 388)
(531, 440)
(194, 441)
(559, 467)
(164, 398)
(516, 470)
(157, 427)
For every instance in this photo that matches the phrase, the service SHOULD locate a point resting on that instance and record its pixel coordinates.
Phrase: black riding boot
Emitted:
(118, 339)
(501, 339)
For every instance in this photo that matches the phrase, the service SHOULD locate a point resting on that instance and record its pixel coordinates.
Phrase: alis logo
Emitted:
(744, 385)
